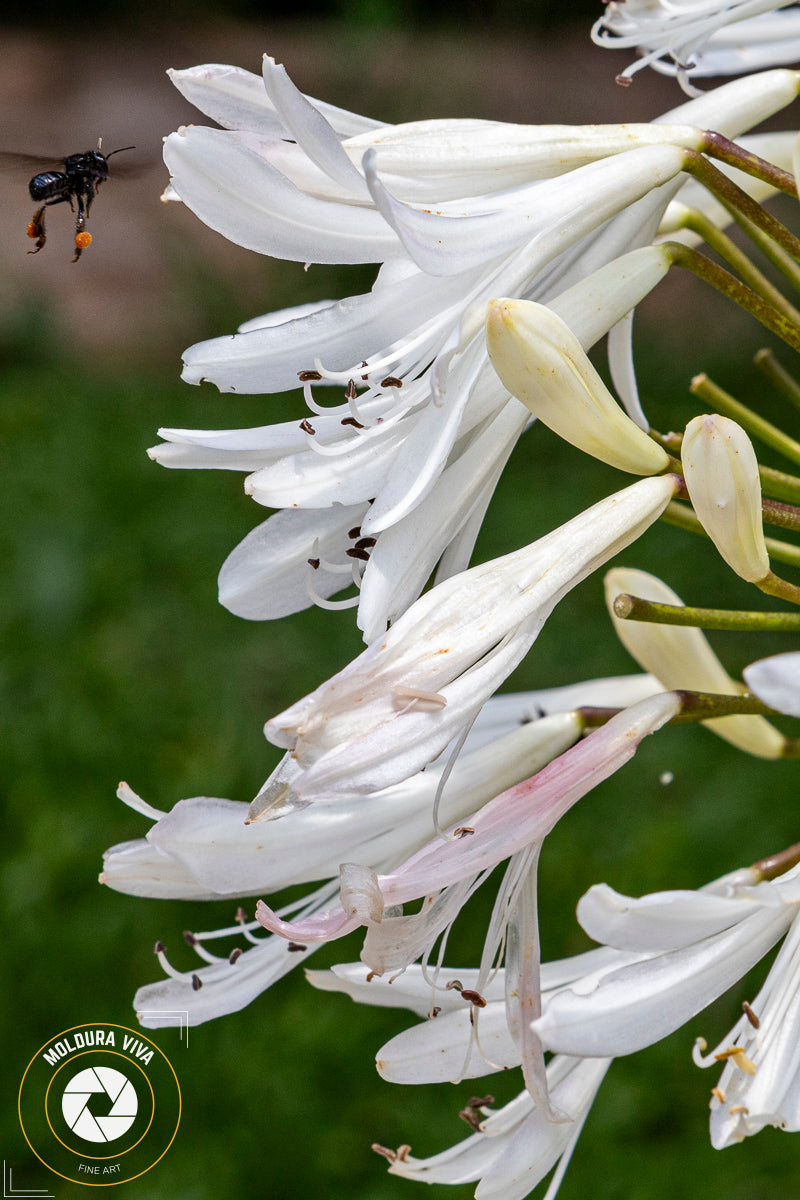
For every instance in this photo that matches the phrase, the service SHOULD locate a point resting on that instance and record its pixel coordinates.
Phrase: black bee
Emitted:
(79, 180)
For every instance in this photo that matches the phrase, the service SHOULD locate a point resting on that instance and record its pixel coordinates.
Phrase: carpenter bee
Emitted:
(80, 180)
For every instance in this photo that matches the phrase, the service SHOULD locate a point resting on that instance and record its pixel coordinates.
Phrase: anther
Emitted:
(435, 1011)
(241, 915)
(366, 543)
(197, 983)
(751, 1016)
(418, 697)
(389, 1155)
(351, 421)
(235, 955)
(391, 381)
(357, 552)
(720, 1095)
(355, 532)
(350, 392)
(294, 947)
(309, 376)
(159, 948)
(740, 1108)
(454, 985)
(306, 426)
(313, 562)
(189, 937)
(463, 831)
(473, 997)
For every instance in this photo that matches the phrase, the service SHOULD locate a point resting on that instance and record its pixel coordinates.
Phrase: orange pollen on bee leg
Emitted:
(32, 230)
(82, 240)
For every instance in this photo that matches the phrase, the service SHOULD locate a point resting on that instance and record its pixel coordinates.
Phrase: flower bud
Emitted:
(721, 473)
(542, 363)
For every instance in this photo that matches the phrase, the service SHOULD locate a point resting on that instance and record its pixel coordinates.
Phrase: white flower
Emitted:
(760, 1083)
(691, 38)
(692, 947)
(456, 212)
(395, 707)
(776, 681)
(205, 849)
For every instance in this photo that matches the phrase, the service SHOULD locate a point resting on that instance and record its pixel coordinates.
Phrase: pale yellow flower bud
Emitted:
(721, 472)
(542, 363)
(680, 656)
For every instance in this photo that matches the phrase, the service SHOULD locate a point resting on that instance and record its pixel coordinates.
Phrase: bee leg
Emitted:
(82, 239)
(36, 229)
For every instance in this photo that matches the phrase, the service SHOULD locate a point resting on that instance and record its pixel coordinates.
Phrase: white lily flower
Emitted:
(433, 448)
(512, 822)
(694, 38)
(205, 849)
(517, 1146)
(722, 476)
(692, 947)
(395, 707)
(776, 681)
(760, 1083)
(681, 657)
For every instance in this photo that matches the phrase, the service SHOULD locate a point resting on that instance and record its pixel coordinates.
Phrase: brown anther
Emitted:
(308, 376)
(235, 955)
(197, 983)
(159, 948)
(351, 421)
(391, 381)
(306, 426)
(473, 1119)
(463, 831)
(189, 937)
(473, 997)
(355, 552)
(370, 976)
(388, 1154)
(720, 1095)
(366, 543)
(294, 947)
(403, 1153)
(365, 364)
(355, 532)
(241, 915)
(480, 1101)
(435, 1011)
(313, 562)
(623, 80)
(751, 1016)
(454, 985)
(350, 392)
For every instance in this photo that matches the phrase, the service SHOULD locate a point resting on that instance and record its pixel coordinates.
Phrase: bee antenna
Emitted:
(120, 150)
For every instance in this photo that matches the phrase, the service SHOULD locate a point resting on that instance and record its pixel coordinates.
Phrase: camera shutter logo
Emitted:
(104, 1081)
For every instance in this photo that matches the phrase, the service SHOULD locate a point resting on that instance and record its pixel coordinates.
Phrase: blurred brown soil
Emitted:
(132, 294)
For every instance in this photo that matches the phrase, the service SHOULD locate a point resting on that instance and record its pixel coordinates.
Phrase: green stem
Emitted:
(773, 585)
(755, 425)
(769, 316)
(727, 249)
(723, 149)
(634, 608)
(739, 204)
(777, 374)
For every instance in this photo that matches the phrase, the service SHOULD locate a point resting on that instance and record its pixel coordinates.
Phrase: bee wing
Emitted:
(28, 164)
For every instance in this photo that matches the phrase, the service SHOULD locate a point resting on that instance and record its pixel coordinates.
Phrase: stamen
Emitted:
(389, 1155)
(332, 605)
(197, 983)
(235, 955)
(719, 1094)
(309, 376)
(751, 1016)
(294, 947)
(739, 1108)
(307, 427)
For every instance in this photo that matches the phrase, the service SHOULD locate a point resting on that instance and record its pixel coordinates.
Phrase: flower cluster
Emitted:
(503, 254)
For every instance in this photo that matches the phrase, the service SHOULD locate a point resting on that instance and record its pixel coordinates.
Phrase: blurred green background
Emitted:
(118, 663)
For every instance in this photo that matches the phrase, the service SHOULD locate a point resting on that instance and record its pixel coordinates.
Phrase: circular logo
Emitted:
(107, 1082)
(99, 1104)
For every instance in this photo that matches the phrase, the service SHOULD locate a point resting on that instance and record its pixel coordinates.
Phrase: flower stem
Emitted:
(777, 374)
(767, 314)
(634, 608)
(685, 518)
(755, 425)
(723, 149)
